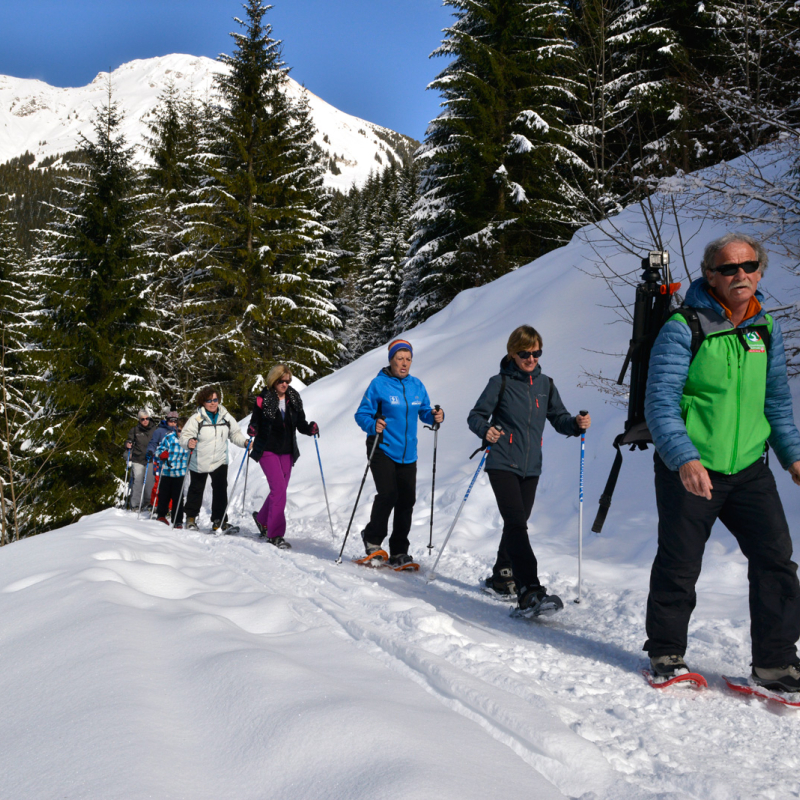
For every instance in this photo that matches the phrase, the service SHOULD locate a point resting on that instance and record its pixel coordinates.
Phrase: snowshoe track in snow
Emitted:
(564, 694)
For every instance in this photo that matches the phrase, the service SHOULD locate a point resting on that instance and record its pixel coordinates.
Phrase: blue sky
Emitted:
(366, 57)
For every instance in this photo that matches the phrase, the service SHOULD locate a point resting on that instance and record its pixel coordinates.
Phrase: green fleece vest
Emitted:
(723, 398)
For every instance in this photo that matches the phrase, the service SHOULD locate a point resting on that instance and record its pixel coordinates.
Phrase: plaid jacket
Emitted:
(174, 466)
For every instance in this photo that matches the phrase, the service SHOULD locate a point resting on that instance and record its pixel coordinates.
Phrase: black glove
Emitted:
(313, 429)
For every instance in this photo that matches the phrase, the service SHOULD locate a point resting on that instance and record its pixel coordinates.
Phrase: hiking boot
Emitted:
(225, 526)
(162, 519)
(534, 601)
(502, 582)
(179, 527)
(778, 679)
(262, 529)
(400, 560)
(191, 524)
(279, 542)
(668, 667)
(368, 546)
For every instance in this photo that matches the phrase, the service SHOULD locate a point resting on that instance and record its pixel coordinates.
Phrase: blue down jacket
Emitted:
(669, 368)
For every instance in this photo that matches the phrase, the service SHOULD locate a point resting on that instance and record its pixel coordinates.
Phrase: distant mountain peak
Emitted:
(47, 120)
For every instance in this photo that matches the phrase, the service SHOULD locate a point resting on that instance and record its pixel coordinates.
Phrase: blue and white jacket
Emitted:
(670, 360)
(174, 466)
(402, 401)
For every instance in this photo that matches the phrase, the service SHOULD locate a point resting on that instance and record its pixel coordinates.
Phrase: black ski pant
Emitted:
(515, 496)
(219, 492)
(397, 491)
(748, 505)
(169, 491)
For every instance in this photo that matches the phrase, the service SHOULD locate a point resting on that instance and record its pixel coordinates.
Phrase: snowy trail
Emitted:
(565, 694)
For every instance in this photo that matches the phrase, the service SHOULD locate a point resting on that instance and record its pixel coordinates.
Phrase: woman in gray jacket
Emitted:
(206, 435)
(510, 415)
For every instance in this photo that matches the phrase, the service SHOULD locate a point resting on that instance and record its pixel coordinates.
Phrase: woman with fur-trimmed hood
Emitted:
(277, 416)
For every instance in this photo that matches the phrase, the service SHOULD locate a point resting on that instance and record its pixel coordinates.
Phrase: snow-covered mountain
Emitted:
(139, 662)
(46, 120)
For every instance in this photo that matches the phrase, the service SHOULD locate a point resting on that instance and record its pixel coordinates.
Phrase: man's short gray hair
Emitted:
(712, 248)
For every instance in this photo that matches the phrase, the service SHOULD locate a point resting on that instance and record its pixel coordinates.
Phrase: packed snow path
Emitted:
(141, 662)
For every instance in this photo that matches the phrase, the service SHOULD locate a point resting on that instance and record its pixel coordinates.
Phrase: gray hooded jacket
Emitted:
(528, 400)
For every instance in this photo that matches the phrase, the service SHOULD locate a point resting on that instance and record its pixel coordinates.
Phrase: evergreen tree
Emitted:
(658, 49)
(93, 329)
(265, 231)
(15, 397)
(497, 185)
(752, 94)
(183, 347)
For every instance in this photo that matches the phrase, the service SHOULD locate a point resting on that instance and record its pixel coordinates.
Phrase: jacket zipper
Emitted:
(738, 405)
(528, 439)
(405, 438)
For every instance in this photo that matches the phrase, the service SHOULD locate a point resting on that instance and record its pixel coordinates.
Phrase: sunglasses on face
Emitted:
(729, 270)
(280, 382)
(524, 355)
(213, 400)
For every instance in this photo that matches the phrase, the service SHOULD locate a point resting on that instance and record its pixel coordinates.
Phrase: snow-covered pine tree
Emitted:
(752, 94)
(93, 333)
(183, 352)
(658, 48)
(15, 394)
(265, 231)
(497, 182)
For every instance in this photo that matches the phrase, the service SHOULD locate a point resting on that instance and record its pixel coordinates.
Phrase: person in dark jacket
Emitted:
(137, 442)
(401, 399)
(510, 416)
(277, 416)
(711, 410)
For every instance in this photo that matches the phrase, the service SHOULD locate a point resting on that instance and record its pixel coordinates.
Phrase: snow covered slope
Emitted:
(142, 663)
(46, 120)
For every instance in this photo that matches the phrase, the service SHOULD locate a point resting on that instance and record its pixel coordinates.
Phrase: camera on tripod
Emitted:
(652, 308)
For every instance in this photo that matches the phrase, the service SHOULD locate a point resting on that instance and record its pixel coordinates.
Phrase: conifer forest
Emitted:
(130, 282)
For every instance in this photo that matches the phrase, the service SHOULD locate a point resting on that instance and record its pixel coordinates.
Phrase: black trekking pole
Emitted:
(378, 438)
(432, 574)
(435, 429)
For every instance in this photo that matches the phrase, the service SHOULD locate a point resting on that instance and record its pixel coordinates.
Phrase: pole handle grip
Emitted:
(583, 413)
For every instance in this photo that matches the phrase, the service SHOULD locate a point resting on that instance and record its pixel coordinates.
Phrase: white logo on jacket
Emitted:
(395, 401)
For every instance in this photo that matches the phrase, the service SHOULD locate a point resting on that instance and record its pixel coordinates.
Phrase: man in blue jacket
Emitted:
(393, 402)
(717, 392)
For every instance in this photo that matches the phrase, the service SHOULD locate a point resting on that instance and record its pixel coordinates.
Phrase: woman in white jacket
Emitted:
(206, 435)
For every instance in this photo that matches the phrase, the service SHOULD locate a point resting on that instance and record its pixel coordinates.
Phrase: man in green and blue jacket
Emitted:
(711, 410)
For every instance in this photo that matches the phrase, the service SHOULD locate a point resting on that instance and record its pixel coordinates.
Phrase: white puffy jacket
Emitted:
(212, 439)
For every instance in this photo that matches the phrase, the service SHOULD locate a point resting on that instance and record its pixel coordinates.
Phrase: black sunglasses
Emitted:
(278, 383)
(731, 269)
(212, 400)
(524, 355)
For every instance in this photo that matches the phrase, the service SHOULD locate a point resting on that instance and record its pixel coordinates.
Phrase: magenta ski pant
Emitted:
(278, 470)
